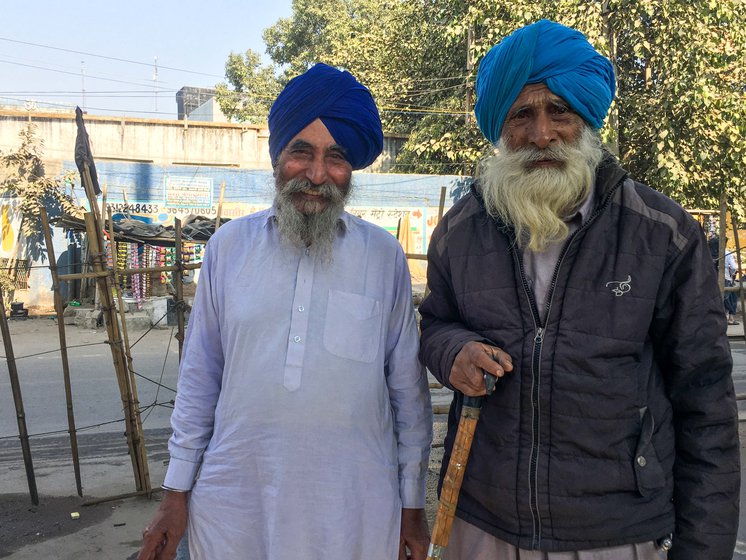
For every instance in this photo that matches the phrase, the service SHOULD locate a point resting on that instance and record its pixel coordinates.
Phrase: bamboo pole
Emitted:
(179, 286)
(131, 381)
(63, 351)
(123, 272)
(220, 206)
(104, 193)
(115, 343)
(133, 427)
(89, 192)
(442, 203)
(15, 386)
(98, 501)
(441, 211)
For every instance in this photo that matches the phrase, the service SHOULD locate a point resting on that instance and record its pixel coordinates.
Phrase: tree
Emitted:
(254, 88)
(681, 99)
(415, 71)
(26, 180)
(677, 122)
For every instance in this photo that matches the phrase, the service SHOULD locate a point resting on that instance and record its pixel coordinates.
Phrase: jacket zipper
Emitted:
(535, 435)
(535, 416)
(536, 362)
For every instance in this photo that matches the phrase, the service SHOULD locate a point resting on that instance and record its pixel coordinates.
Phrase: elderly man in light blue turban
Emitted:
(612, 433)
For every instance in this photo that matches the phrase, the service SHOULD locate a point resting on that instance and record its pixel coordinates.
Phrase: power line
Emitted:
(102, 95)
(69, 73)
(71, 107)
(149, 64)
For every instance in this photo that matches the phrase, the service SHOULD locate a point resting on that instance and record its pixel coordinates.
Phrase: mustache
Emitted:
(560, 152)
(327, 190)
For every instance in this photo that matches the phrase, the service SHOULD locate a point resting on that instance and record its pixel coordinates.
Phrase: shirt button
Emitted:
(301, 308)
(642, 461)
(297, 339)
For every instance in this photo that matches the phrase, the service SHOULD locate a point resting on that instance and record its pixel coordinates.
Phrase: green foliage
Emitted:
(677, 123)
(7, 287)
(681, 99)
(250, 90)
(25, 178)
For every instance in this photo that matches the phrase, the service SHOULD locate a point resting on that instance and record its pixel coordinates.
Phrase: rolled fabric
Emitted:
(543, 52)
(343, 104)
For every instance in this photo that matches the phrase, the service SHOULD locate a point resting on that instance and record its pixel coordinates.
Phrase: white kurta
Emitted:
(302, 421)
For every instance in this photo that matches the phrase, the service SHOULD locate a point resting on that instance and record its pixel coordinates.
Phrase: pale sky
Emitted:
(190, 38)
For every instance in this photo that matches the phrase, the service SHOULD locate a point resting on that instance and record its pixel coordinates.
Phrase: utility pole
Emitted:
(82, 80)
(606, 14)
(155, 81)
(469, 66)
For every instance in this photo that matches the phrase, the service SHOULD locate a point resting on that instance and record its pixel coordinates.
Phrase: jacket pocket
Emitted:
(648, 471)
(353, 326)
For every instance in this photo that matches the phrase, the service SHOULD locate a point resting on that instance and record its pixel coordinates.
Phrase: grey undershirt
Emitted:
(539, 267)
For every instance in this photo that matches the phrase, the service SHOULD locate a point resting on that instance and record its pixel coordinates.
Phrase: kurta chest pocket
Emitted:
(353, 326)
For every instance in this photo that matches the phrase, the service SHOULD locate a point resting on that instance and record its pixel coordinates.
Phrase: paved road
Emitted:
(97, 404)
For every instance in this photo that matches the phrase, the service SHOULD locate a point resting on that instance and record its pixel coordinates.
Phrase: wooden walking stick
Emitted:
(467, 424)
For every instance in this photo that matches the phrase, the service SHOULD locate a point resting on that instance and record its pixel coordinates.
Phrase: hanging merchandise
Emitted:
(146, 261)
(136, 250)
(108, 252)
(161, 251)
(121, 252)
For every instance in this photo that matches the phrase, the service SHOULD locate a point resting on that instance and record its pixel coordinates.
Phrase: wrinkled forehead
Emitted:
(536, 95)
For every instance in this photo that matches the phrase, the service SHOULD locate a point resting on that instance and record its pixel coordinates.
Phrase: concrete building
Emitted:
(189, 98)
(161, 169)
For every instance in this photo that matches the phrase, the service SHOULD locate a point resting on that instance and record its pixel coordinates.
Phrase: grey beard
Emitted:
(317, 231)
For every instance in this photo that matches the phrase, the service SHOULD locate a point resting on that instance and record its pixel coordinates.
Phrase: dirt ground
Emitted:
(22, 523)
(112, 530)
(109, 530)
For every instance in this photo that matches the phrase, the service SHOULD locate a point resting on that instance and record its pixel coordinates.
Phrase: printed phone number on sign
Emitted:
(135, 208)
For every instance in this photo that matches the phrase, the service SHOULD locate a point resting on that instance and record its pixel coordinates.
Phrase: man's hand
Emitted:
(472, 362)
(415, 536)
(162, 535)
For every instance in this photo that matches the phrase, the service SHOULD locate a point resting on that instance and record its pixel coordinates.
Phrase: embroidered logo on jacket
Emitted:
(620, 287)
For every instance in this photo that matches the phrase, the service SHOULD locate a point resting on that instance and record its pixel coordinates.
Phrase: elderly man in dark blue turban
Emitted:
(302, 421)
(612, 431)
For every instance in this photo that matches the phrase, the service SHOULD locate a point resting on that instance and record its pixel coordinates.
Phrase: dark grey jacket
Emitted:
(618, 423)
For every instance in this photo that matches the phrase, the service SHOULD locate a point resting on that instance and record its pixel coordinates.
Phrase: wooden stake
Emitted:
(15, 386)
(104, 193)
(138, 440)
(63, 350)
(220, 206)
(441, 211)
(95, 242)
(179, 286)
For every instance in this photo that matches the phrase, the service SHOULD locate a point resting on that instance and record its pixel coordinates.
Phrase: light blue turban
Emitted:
(543, 52)
(343, 104)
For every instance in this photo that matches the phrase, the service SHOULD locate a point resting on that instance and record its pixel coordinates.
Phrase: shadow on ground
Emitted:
(22, 523)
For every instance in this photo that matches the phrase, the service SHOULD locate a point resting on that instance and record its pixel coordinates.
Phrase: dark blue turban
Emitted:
(543, 52)
(343, 104)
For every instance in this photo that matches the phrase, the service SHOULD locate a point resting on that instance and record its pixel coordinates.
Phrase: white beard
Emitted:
(535, 201)
(317, 230)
